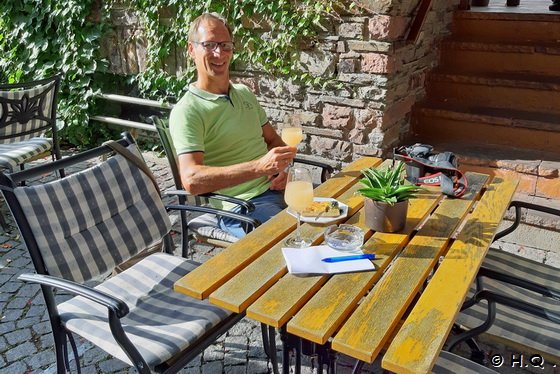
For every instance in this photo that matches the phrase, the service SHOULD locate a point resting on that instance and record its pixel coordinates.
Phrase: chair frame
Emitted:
(116, 308)
(492, 298)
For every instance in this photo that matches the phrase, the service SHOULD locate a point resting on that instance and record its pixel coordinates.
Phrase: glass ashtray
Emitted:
(344, 237)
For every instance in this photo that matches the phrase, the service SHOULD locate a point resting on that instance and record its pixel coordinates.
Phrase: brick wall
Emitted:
(365, 49)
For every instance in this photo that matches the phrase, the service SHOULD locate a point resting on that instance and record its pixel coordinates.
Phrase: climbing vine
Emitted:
(40, 38)
(267, 33)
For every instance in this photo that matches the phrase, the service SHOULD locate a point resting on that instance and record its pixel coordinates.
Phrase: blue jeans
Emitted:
(267, 205)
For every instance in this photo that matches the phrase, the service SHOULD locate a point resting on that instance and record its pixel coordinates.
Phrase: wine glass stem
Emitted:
(298, 234)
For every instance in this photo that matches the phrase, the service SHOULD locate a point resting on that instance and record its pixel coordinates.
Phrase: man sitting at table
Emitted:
(222, 136)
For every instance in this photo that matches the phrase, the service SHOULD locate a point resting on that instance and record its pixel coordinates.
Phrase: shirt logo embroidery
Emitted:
(248, 105)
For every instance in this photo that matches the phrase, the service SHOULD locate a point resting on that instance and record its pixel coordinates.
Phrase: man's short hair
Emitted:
(193, 31)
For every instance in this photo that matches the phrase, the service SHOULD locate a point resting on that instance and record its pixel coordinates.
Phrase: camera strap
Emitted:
(432, 169)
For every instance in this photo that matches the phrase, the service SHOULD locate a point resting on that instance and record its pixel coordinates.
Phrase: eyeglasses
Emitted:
(212, 46)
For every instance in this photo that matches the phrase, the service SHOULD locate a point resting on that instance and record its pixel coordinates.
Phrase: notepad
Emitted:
(308, 261)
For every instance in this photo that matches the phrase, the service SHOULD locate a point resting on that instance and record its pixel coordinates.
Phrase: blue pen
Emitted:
(349, 258)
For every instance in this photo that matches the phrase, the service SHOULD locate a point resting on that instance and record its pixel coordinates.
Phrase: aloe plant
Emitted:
(387, 185)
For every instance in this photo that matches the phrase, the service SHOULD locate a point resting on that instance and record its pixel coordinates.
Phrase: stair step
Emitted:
(467, 56)
(494, 116)
(530, 92)
(517, 27)
(487, 126)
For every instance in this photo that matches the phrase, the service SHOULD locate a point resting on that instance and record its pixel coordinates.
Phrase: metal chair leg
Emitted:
(285, 353)
(357, 369)
(272, 349)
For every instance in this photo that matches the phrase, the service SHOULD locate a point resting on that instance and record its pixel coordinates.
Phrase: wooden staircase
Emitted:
(495, 99)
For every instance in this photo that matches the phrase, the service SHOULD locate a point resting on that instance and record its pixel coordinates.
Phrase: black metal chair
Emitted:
(514, 299)
(205, 227)
(27, 112)
(78, 228)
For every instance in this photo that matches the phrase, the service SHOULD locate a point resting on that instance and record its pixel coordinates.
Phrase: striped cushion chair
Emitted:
(80, 227)
(27, 114)
(515, 301)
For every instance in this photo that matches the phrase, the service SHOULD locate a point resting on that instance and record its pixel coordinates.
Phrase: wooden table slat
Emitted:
(324, 313)
(418, 343)
(390, 297)
(200, 283)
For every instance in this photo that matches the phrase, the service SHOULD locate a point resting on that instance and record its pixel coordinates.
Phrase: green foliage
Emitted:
(387, 185)
(40, 38)
(271, 44)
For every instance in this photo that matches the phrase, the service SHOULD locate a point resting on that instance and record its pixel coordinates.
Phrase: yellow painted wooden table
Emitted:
(407, 306)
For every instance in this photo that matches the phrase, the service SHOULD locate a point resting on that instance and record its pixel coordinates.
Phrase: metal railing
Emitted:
(134, 101)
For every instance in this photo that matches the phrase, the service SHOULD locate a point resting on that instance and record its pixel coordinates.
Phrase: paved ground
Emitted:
(26, 342)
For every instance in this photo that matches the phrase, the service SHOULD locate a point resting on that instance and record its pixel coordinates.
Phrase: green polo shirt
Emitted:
(226, 128)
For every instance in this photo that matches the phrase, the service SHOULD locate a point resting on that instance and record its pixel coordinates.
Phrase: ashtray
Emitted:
(344, 237)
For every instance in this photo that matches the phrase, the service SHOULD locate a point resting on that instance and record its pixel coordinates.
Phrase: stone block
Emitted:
(340, 47)
(302, 118)
(367, 150)
(549, 169)
(370, 46)
(317, 62)
(358, 135)
(548, 187)
(375, 6)
(331, 133)
(372, 93)
(351, 30)
(520, 166)
(337, 100)
(377, 63)
(379, 80)
(348, 65)
(250, 82)
(18, 336)
(385, 27)
(331, 148)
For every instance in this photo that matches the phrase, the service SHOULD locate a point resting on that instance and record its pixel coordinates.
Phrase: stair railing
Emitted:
(418, 21)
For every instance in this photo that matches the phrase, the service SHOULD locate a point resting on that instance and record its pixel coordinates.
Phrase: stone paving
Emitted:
(26, 342)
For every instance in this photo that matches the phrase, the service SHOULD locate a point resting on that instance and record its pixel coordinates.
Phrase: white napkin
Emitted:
(308, 261)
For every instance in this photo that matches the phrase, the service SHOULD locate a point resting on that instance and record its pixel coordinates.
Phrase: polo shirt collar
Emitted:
(208, 95)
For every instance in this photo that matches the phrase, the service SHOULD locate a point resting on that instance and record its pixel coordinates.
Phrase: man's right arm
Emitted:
(198, 178)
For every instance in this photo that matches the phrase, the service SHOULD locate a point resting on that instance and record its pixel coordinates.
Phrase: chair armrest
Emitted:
(523, 306)
(519, 282)
(518, 205)
(246, 206)
(253, 223)
(115, 305)
(326, 170)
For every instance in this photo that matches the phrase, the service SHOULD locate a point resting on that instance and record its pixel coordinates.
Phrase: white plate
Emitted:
(343, 212)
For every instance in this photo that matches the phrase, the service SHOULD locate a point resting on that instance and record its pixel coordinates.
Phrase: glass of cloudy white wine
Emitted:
(292, 135)
(298, 196)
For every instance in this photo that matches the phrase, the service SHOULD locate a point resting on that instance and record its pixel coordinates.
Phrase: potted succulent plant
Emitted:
(386, 193)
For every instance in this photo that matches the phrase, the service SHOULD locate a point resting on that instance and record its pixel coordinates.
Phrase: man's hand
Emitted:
(278, 182)
(276, 160)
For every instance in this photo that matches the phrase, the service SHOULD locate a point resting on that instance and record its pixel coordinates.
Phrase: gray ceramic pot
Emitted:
(384, 217)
